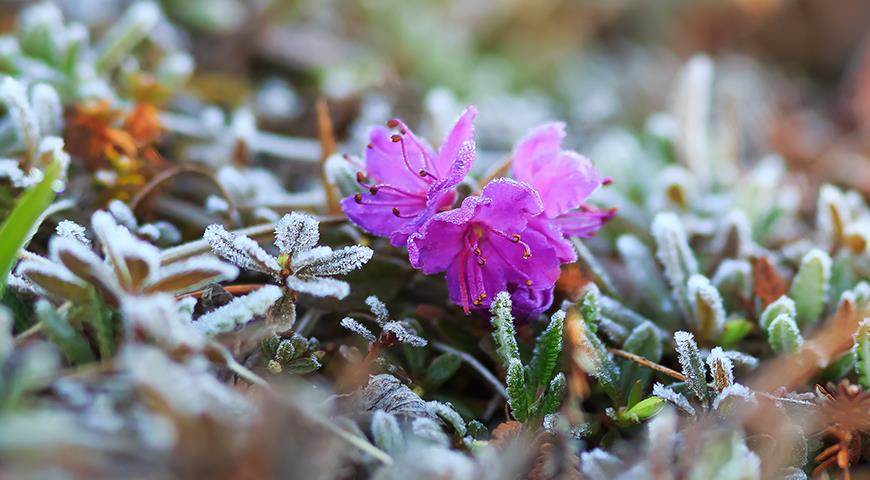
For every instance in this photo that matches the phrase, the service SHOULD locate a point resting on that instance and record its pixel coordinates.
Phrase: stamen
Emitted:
(607, 181)
(481, 261)
(479, 299)
(360, 177)
(395, 138)
(357, 197)
(392, 123)
(373, 189)
(397, 213)
(515, 238)
(528, 282)
(370, 146)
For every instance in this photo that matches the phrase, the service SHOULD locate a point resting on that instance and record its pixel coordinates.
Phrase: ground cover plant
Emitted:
(307, 240)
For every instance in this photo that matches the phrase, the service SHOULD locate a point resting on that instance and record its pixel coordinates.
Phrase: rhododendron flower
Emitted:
(564, 179)
(406, 182)
(490, 244)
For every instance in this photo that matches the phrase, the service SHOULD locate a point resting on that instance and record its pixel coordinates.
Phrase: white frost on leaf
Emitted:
(379, 310)
(159, 317)
(677, 399)
(296, 233)
(73, 231)
(239, 311)
(734, 391)
(319, 287)
(240, 250)
(358, 328)
(721, 368)
(404, 333)
(323, 261)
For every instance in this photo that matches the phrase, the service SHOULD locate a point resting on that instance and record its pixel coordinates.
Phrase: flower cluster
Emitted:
(511, 236)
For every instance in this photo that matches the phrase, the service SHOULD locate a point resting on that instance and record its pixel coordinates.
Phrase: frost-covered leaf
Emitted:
(385, 392)
(296, 233)
(14, 95)
(548, 347)
(57, 281)
(82, 262)
(651, 287)
(592, 355)
(691, 363)
(73, 231)
(516, 390)
(449, 415)
(358, 328)
(707, 309)
(783, 305)
(784, 335)
(721, 369)
(677, 399)
(191, 274)
(240, 250)
(503, 329)
(675, 255)
(386, 432)
(48, 109)
(553, 395)
(123, 214)
(239, 311)
(127, 32)
(404, 333)
(133, 260)
(809, 289)
(741, 358)
(323, 261)
(70, 341)
(378, 309)
(319, 287)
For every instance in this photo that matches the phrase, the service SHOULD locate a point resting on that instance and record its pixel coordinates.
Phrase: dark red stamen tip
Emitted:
(396, 212)
(370, 146)
(607, 181)
(360, 177)
(423, 173)
(357, 197)
(515, 238)
(392, 123)
(373, 189)
(528, 282)
(395, 138)
(481, 261)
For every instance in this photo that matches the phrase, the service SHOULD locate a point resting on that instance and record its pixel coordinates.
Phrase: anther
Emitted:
(481, 261)
(357, 197)
(370, 146)
(528, 282)
(360, 177)
(393, 123)
(395, 138)
(396, 212)
(515, 238)
(373, 189)
(526, 253)
(423, 173)
(607, 181)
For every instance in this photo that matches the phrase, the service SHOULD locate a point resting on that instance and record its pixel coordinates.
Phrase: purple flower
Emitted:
(564, 179)
(406, 182)
(491, 243)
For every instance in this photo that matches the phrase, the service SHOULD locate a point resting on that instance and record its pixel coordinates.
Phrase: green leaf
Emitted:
(553, 396)
(442, 369)
(516, 389)
(645, 408)
(548, 346)
(22, 222)
(645, 342)
(96, 316)
(862, 352)
(810, 287)
(74, 347)
(593, 355)
(302, 366)
(734, 331)
(783, 304)
(503, 329)
(784, 335)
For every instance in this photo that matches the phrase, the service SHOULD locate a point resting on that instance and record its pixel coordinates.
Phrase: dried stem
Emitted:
(648, 364)
(328, 147)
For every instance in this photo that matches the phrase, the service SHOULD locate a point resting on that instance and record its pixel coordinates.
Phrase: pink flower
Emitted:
(491, 243)
(406, 182)
(564, 179)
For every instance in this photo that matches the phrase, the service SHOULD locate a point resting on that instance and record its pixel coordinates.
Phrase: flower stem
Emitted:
(648, 363)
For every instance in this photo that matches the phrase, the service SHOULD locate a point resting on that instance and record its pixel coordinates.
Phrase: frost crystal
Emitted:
(73, 231)
(706, 306)
(14, 95)
(358, 328)
(239, 311)
(690, 361)
(679, 400)
(449, 415)
(404, 334)
(159, 316)
(379, 310)
(240, 250)
(123, 215)
(296, 232)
